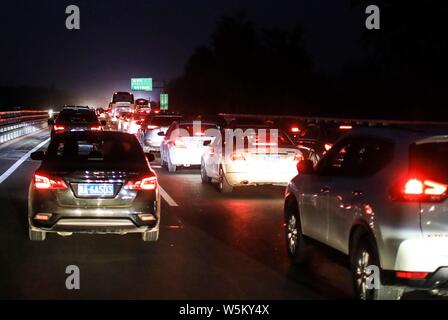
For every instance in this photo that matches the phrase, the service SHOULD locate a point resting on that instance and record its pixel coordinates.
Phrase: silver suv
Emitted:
(379, 196)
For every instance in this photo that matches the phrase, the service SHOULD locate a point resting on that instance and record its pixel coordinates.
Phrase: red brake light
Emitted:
(345, 127)
(58, 128)
(328, 146)
(152, 127)
(411, 275)
(298, 157)
(295, 130)
(42, 182)
(149, 183)
(420, 190)
(95, 128)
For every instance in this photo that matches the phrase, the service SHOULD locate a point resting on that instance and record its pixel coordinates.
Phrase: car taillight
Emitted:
(149, 183)
(295, 130)
(95, 128)
(420, 190)
(58, 128)
(345, 127)
(298, 157)
(411, 275)
(328, 146)
(43, 182)
(237, 157)
(152, 127)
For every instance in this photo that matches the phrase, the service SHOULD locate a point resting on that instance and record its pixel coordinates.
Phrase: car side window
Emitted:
(361, 156)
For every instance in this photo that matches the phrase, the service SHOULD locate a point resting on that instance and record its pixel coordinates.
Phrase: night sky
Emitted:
(149, 38)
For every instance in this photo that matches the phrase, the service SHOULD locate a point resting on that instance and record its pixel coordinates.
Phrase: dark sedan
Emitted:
(94, 182)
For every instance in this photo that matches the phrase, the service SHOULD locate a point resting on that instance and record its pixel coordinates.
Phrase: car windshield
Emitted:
(111, 149)
(75, 116)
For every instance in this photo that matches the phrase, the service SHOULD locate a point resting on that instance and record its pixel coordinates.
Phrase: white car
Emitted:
(183, 144)
(255, 162)
(380, 197)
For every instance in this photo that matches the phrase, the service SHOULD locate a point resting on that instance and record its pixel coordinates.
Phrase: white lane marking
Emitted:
(167, 197)
(17, 164)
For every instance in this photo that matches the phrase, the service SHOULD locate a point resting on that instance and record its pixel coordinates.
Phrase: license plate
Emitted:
(90, 189)
(271, 157)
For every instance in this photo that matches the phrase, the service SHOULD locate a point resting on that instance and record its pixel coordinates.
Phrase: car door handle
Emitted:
(357, 193)
(325, 189)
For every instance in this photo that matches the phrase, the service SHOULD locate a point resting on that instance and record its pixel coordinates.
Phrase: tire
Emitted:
(204, 177)
(171, 167)
(36, 235)
(150, 236)
(298, 247)
(223, 185)
(364, 254)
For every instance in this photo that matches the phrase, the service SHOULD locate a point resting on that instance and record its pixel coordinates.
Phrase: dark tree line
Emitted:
(248, 69)
(245, 69)
(32, 97)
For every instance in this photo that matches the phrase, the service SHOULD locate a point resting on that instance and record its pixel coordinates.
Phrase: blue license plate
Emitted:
(92, 189)
(271, 157)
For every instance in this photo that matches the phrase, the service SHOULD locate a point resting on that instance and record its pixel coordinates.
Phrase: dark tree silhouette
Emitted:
(245, 69)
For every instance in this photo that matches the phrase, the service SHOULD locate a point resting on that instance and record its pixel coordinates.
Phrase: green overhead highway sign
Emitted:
(141, 84)
(164, 101)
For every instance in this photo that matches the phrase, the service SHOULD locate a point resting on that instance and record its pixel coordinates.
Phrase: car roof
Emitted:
(183, 122)
(407, 134)
(96, 134)
(75, 107)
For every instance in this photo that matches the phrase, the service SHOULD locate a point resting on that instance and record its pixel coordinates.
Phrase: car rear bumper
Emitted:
(259, 177)
(421, 254)
(185, 156)
(95, 220)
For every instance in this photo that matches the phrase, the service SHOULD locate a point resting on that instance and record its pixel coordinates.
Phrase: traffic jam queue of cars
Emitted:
(378, 195)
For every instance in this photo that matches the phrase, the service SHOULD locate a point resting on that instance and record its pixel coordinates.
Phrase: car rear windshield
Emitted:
(190, 128)
(162, 121)
(259, 139)
(77, 116)
(111, 149)
(430, 161)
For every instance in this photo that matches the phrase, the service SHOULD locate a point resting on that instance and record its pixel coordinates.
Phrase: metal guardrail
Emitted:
(14, 124)
(367, 122)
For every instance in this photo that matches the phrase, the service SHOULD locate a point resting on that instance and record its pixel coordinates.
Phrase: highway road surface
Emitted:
(211, 246)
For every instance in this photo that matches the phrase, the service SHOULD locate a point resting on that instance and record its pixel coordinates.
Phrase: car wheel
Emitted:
(150, 236)
(36, 235)
(362, 256)
(204, 177)
(171, 167)
(223, 185)
(298, 247)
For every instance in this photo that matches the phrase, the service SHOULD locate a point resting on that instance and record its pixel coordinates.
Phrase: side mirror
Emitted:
(38, 155)
(150, 157)
(161, 133)
(207, 143)
(50, 122)
(305, 167)
(103, 122)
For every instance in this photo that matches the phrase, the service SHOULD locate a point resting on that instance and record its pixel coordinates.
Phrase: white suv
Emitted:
(379, 196)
